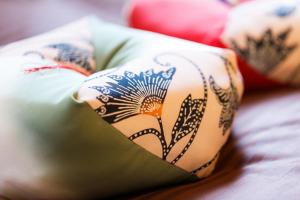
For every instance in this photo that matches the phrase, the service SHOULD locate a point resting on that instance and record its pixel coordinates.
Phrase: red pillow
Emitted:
(207, 21)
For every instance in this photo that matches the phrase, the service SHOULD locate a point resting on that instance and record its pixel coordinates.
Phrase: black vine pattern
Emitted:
(186, 123)
(228, 98)
(201, 108)
(207, 164)
(72, 54)
(267, 51)
(188, 118)
(133, 94)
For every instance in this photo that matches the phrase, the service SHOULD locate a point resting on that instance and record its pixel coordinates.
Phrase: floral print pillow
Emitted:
(98, 109)
(267, 38)
(163, 111)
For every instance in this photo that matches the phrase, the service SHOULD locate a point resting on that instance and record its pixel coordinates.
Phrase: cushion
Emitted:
(265, 40)
(99, 110)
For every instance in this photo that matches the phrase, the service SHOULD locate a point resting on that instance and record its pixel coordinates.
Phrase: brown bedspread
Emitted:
(262, 158)
(24, 18)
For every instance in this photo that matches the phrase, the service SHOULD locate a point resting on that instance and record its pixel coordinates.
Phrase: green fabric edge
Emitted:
(81, 149)
(116, 45)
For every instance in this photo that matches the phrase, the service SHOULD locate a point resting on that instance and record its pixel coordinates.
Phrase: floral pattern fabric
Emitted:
(147, 107)
(267, 38)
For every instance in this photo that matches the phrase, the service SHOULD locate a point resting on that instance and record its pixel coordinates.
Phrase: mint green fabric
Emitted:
(116, 45)
(84, 153)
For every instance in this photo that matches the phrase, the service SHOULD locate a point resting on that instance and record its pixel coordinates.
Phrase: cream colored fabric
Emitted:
(266, 35)
(183, 64)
